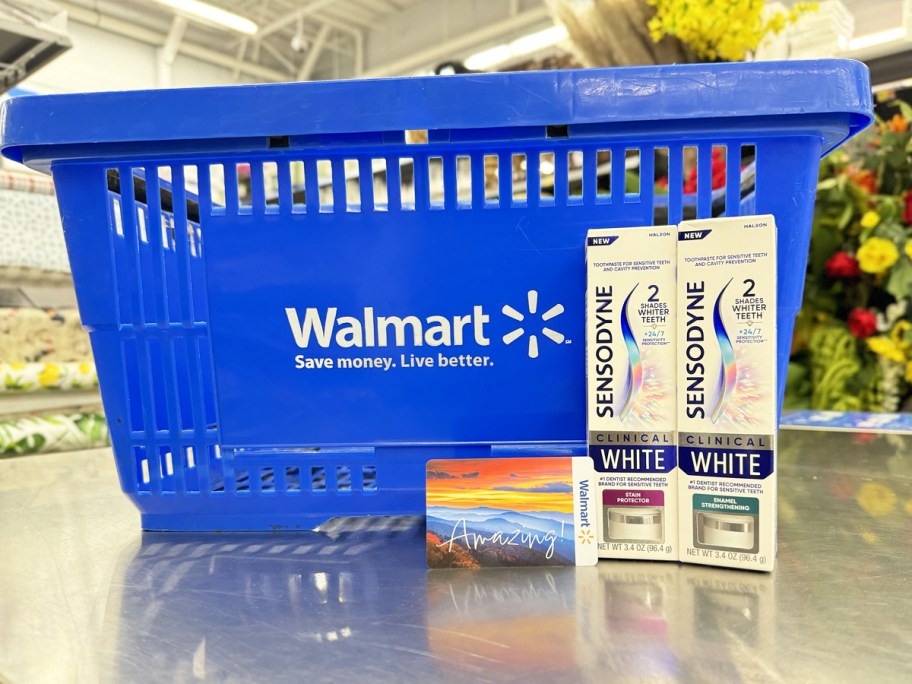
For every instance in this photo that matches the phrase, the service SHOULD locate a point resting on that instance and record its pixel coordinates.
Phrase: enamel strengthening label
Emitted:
(727, 391)
(630, 350)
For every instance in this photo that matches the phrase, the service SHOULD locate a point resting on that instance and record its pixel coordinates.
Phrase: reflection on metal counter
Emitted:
(247, 602)
(85, 598)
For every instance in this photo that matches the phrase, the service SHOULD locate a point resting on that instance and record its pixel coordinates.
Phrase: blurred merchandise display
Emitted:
(852, 348)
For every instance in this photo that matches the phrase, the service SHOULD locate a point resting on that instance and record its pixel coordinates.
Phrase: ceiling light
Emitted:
(538, 40)
(488, 58)
(520, 47)
(872, 39)
(210, 14)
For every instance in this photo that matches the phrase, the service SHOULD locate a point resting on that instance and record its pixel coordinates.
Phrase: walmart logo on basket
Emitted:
(326, 328)
(553, 335)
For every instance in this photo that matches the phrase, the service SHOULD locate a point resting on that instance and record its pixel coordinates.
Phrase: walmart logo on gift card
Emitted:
(369, 328)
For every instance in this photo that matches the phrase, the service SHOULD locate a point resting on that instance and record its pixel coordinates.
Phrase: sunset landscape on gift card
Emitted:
(532, 484)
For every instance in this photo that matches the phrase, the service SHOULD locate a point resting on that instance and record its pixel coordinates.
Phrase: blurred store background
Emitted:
(852, 349)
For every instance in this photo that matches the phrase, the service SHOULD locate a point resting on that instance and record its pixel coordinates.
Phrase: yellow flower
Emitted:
(714, 30)
(877, 254)
(17, 366)
(869, 537)
(876, 499)
(898, 334)
(908, 248)
(870, 219)
(85, 368)
(887, 348)
(909, 379)
(49, 376)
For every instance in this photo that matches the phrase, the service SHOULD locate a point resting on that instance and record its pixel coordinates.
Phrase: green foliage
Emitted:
(859, 268)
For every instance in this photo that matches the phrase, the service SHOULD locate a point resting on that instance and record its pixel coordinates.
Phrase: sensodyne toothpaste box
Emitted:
(727, 391)
(630, 386)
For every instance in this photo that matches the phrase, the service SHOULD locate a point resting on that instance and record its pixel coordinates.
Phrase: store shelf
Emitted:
(31, 35)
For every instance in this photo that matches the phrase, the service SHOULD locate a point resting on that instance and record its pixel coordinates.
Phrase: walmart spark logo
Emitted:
(585, 537)
(551, 313)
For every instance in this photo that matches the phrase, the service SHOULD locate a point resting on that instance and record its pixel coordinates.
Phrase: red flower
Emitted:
(842, 265)
(862, 323)
(907, 212)
(866, 180)
(718, 174)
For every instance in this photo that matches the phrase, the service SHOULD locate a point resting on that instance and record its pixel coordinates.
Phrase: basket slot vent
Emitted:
(574, 180)
(748, 157)
(217, 188)
(602, 181)
(704, 181)
(116, 215)
(660, 185)
(292, 479)
(343, 478)
(463, 181)
(271, 187)
(520, 186)
(141, 222)
(633, 161)
(216, 469)
(352, 186)
(191, 472)
(407, 184)
(327, 191)
(267, 479)
(296, 179)
(675, 184)
(166, 469)
(167, 233)
(546, 169)
(436, 182)
(243, 183)
(491, 182)
(380, 183)
(318, 479)
(143, 472)
(369, 478)
(241, 480)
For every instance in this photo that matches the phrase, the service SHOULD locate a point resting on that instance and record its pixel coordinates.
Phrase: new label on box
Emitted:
(727, 391)
(630, 381)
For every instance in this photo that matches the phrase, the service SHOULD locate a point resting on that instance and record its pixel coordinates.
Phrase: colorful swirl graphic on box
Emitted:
(634, 359)
(729, 368)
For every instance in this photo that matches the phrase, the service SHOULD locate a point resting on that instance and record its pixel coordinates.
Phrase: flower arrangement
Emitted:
(720, 30)
(852, 348)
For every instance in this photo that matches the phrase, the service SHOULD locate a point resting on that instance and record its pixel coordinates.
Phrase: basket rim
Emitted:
(830, 88)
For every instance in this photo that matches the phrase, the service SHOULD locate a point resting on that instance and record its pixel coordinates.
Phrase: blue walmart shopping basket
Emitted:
(296, 296)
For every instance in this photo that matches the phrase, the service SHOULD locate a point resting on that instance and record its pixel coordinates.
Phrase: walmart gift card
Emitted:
(500, 512)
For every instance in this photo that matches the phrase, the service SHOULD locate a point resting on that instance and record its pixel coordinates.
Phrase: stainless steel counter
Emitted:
(85, 596)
